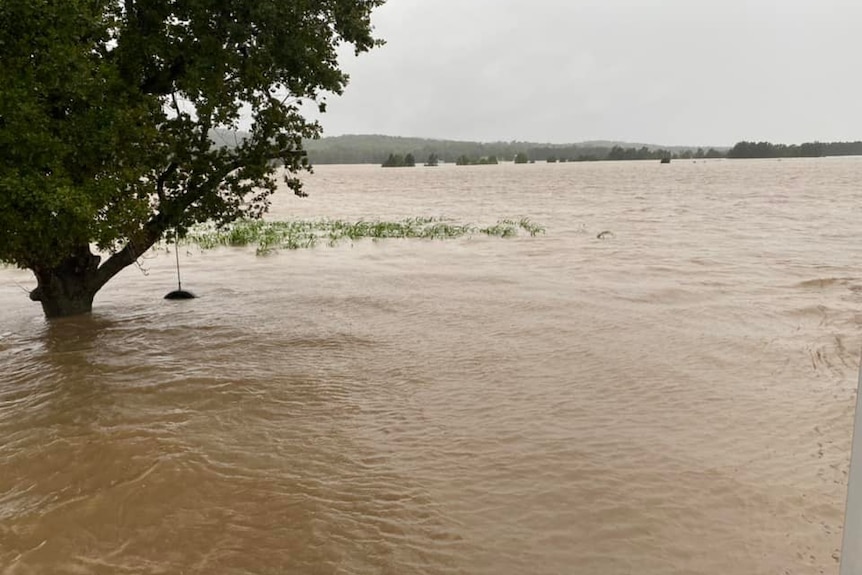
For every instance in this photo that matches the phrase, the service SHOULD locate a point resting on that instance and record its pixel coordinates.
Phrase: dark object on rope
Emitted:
(179, 293)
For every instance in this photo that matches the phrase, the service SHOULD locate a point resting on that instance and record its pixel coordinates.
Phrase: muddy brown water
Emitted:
(676, 398)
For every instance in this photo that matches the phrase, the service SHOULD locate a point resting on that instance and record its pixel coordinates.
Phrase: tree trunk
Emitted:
(69, 287)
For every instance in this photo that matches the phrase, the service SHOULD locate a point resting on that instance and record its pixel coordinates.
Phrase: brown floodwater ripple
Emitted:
(674, 397)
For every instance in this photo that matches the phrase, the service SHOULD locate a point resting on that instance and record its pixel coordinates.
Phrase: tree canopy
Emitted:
(399, 161)
(107, 115)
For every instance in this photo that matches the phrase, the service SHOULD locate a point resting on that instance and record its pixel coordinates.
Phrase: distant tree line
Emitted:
(645, 153)
(394, 151)
(408, 161)
(385, 150)
(807, 150)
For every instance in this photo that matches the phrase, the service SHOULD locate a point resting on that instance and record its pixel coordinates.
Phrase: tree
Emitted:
(811, 150)
(394, 161)
(521, 158)
(109, 108)
(399, 161)
(617, 153)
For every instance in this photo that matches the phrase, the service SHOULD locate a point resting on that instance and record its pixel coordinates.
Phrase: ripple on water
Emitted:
(677, 400)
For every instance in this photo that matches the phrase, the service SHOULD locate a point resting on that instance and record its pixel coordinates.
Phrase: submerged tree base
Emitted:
(268, 236)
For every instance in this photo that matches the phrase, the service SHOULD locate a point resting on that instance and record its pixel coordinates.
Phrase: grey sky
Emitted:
(699, 72)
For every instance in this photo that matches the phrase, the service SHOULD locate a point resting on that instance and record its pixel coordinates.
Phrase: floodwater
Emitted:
(674, 398)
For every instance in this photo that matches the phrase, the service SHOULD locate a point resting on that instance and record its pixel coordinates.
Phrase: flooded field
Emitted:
(676, 397)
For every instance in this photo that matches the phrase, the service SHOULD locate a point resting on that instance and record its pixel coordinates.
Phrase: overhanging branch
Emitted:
(170, 215)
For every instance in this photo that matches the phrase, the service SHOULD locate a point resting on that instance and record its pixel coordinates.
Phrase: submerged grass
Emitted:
(509, 228)
(274, 235)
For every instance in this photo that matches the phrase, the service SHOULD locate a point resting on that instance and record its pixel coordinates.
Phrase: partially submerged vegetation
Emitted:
(465, 160)
(399, 161)
(267, 236)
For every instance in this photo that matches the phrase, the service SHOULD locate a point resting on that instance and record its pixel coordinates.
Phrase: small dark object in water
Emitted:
(180, 294)
(605, 235)
(665, 160)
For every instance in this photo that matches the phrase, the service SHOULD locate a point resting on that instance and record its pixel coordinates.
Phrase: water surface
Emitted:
(677, 398)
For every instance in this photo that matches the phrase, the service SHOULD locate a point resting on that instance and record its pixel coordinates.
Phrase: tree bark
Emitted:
(69, 287)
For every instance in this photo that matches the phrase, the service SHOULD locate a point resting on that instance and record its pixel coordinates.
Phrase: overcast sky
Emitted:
(675, 72)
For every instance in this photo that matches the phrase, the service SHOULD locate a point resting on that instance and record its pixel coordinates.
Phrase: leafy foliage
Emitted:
(107, 109)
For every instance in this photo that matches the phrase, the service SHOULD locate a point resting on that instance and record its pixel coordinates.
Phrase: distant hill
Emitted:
(378, 149)
(375, 149)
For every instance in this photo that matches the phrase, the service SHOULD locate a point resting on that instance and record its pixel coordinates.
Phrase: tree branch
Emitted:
(162, 81)
(170, 215)
(160, 182)
(135, 248)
